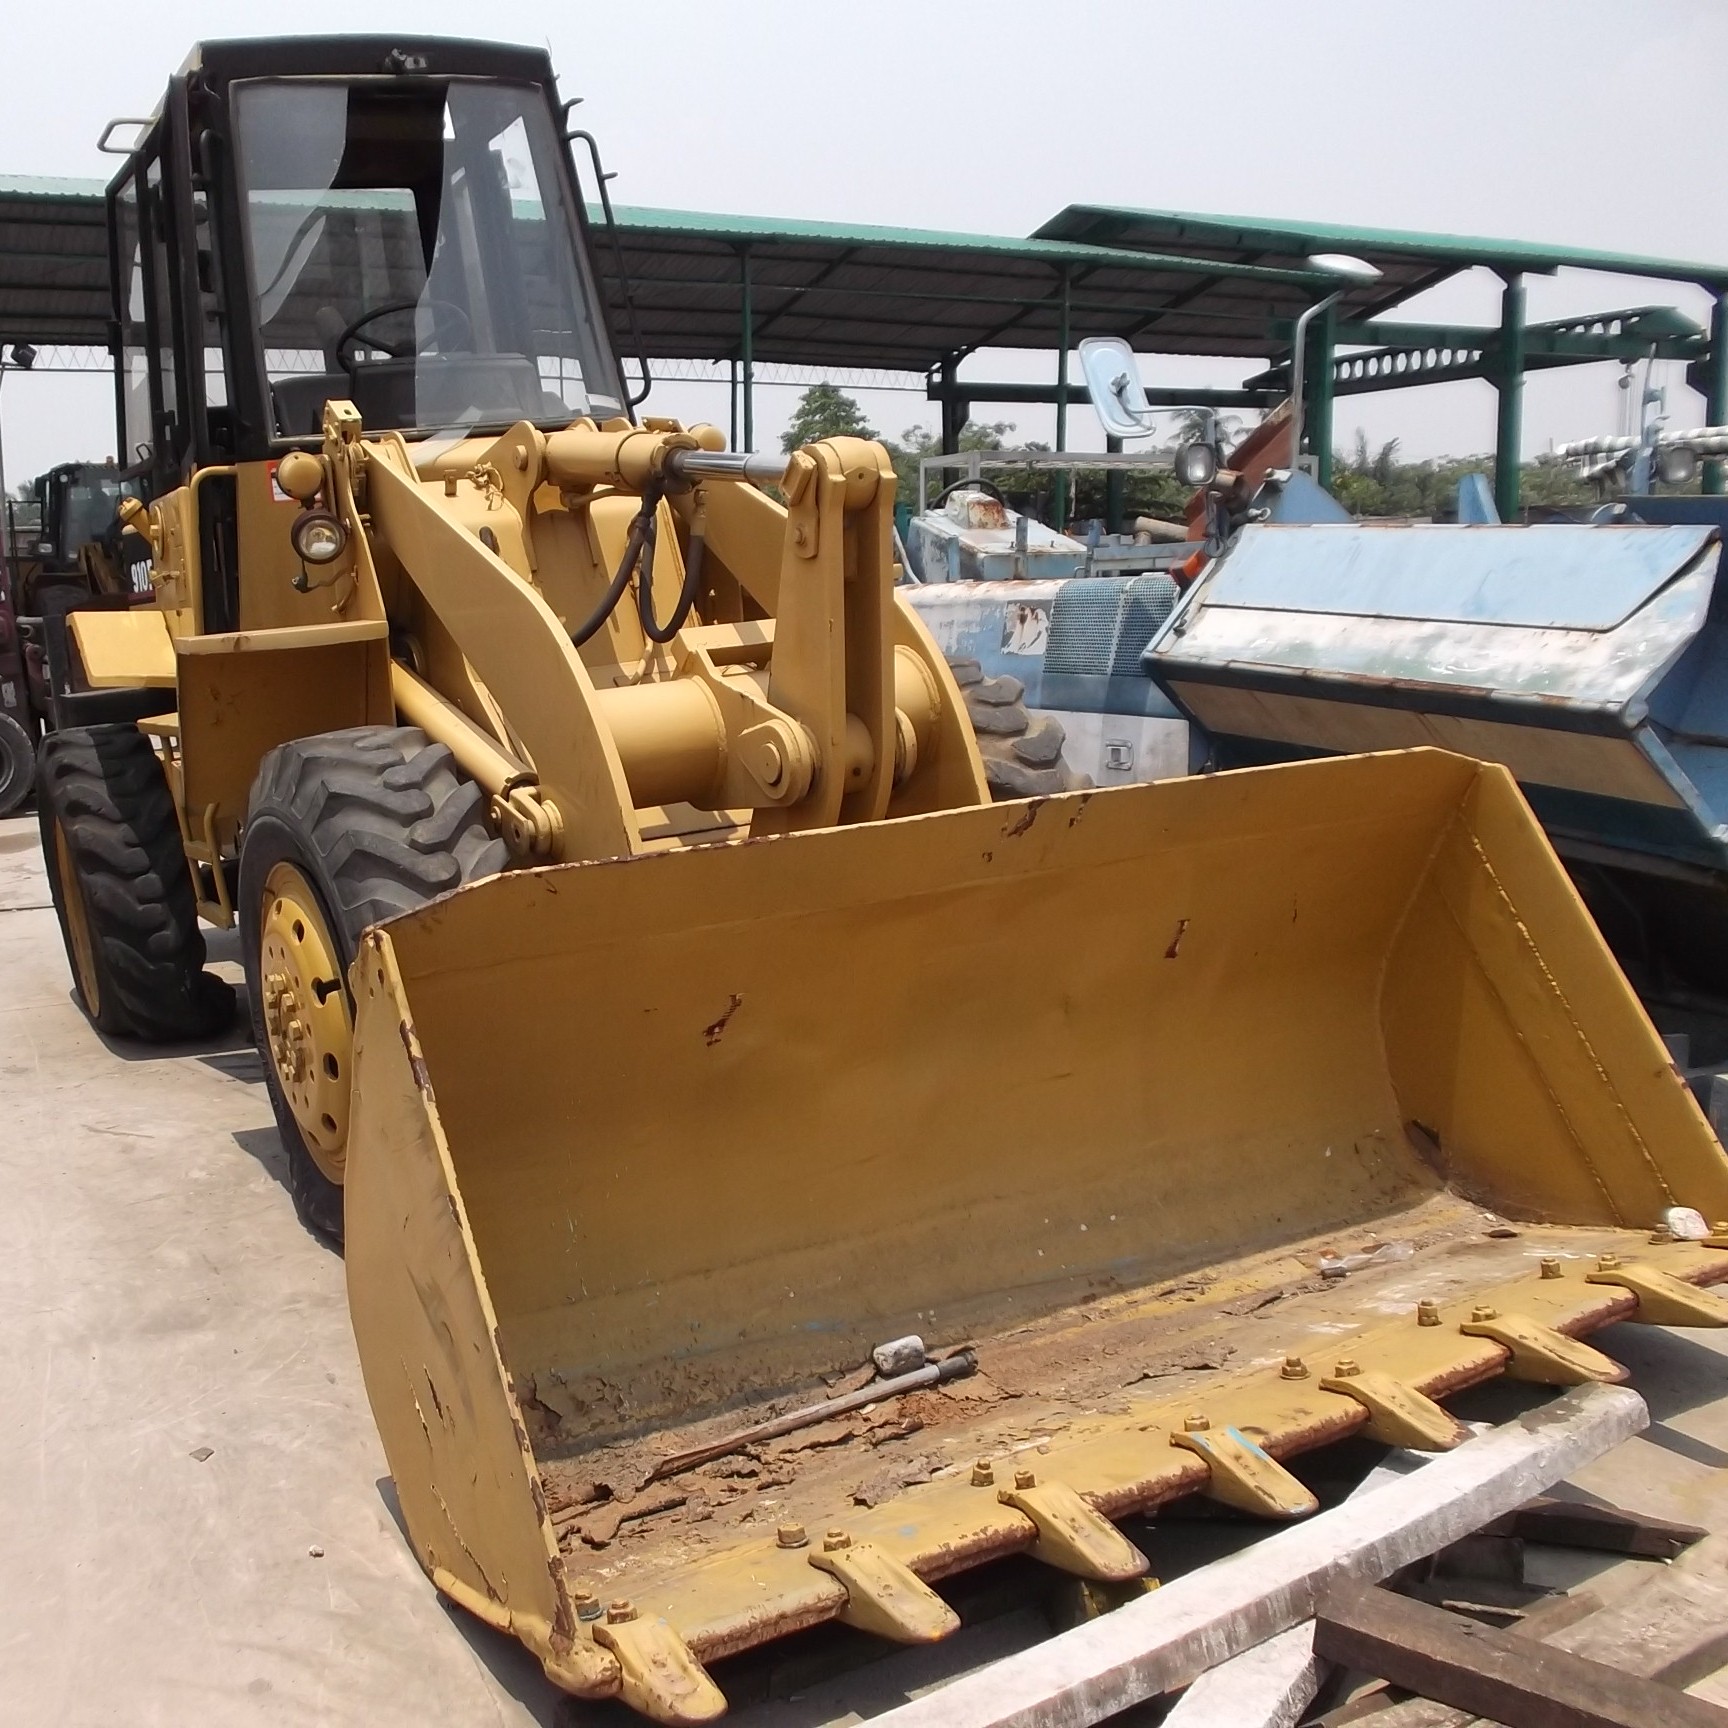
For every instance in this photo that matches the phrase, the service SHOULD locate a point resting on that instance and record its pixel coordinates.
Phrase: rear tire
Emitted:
(17, 764)
(122, 890)
(343, 830)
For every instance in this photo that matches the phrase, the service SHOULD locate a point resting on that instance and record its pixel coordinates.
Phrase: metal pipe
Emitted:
(1298, 360)
(760, 467)
(955, 1367)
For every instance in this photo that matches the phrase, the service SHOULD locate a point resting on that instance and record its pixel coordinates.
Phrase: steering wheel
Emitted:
(396, 350)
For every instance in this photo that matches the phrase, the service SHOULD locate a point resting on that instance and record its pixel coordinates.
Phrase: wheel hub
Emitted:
(308, 1030)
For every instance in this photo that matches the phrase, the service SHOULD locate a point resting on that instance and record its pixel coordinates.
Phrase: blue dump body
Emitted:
(1592, 660)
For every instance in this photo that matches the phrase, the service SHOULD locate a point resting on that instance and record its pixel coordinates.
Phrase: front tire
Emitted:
(122, 890)
(343, 830)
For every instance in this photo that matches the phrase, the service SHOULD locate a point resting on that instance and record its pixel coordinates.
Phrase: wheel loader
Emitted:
(774, 1180)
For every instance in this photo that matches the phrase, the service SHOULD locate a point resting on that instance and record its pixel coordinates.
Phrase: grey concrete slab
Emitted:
(193, 1502)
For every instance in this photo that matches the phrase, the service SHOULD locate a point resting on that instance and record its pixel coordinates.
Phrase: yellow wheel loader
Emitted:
(774, 1179)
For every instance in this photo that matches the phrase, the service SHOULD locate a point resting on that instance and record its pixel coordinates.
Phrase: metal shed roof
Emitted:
(1408, 261)
(820, 293)
(904, 298)
(53, 261)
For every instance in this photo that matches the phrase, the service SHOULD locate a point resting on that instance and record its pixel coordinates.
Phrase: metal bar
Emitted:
(1716, 396)
(980, 390)
(1509, 382)
(956, 1367)
(1169, 1638)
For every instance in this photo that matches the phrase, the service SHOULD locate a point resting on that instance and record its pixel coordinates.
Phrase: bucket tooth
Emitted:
(661, 1679)
(1663, 1299)
(883, 1595)
(1072, 1535)
(1540, 1354)
(1246, 1477)
(1398, 1414)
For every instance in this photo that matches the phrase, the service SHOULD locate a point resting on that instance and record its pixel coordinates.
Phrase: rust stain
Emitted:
(1175, 947)
(1079, 809)
(1025, 819)
(416, 1062)
(714, 1032)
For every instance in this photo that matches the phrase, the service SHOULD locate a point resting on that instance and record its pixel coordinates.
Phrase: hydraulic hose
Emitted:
(686, 595)
(641, 534)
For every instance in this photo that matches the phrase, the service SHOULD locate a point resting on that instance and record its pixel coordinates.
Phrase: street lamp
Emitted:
(1354, 270)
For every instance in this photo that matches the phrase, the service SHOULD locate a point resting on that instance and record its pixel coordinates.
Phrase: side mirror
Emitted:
(1113, 383)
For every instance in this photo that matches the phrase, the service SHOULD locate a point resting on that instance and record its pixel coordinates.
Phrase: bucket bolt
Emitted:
(1607, 1262)
(1427, 1312)
(1196, 1424)
(1348, 1369)
(835, 1541)
(792, 1536)
(1482, 1313)
(1294, 1369)
(1550, 1266)
(983, 1473)
(587, 1605)
(1024, 1479)
(622, 1611)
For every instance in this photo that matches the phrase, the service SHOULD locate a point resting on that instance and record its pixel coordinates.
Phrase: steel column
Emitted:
(1509, 382)
(1325, 343)
(1115, 490)
(1060, 499)
(1716, 396)
(955, 407)
(747, 347)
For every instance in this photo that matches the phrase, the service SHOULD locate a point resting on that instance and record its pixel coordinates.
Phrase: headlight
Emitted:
(318, 537)
(1196, 464)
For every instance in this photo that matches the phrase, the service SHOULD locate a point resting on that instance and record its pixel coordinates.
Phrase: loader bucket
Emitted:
(643, 1151)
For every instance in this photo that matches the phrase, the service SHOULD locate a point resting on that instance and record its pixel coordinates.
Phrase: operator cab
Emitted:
(395, 222)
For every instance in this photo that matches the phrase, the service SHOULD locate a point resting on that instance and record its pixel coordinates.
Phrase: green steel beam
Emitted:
(982, 390)
(1508, 430)
(747, 346)
(1716, 396)
(1064, 335)
(1318, 409)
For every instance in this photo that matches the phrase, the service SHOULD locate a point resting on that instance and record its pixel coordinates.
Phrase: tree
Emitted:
(916, 442)
(825, 411)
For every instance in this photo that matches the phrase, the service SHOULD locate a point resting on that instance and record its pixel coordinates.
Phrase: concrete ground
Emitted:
(197, 1523)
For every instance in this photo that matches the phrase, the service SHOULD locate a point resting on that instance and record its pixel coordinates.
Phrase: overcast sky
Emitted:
(1576, 122)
